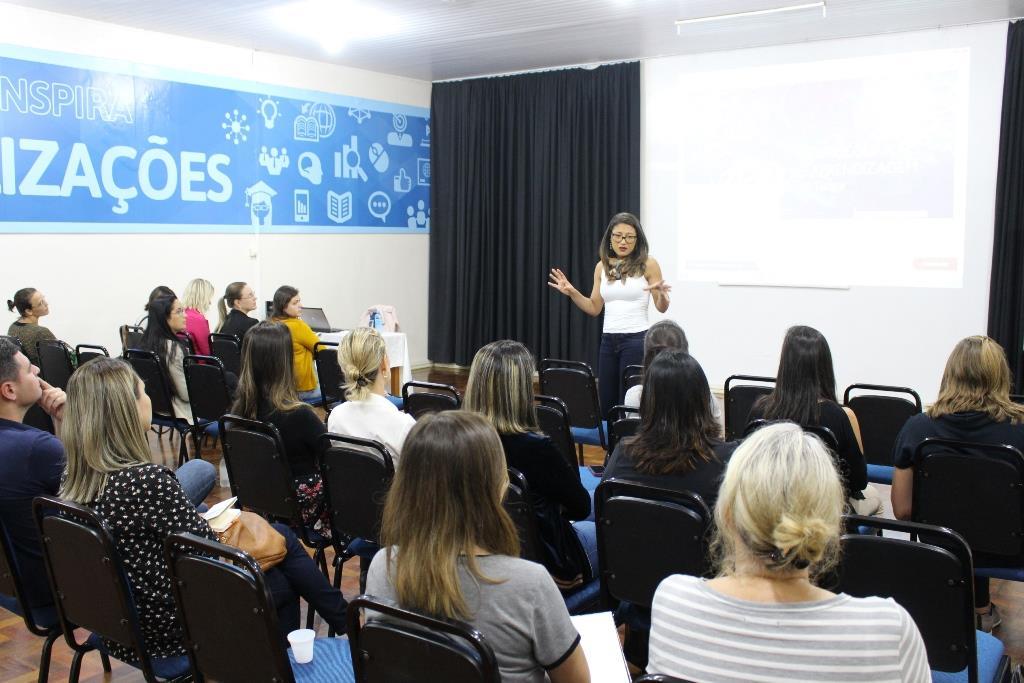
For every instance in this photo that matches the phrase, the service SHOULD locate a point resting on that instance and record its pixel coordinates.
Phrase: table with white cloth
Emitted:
(398, 355)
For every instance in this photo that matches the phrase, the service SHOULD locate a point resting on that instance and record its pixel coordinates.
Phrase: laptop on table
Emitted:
(317, 320)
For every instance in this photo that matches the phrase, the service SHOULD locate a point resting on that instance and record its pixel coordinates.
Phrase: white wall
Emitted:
(890, 335)
(94, 283)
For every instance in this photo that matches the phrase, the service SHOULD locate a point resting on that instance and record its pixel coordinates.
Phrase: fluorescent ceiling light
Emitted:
(754, 13)
(334, 23)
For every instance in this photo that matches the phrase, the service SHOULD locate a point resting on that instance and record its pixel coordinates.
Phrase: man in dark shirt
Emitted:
(31, 463)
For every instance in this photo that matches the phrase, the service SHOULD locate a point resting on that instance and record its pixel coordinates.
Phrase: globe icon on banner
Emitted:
(324, 115)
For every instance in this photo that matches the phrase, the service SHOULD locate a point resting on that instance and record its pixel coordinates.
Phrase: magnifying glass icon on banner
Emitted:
(351, 164)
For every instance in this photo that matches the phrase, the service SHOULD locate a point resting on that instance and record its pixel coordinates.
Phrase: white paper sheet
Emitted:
(600, 643)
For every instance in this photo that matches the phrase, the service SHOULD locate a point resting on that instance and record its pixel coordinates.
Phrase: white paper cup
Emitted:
(302, 644)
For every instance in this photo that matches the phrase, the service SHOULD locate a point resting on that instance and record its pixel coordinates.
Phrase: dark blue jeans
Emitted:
(617, 351)
(296, 576)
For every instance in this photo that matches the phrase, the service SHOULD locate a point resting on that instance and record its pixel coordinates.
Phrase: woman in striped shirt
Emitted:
(763, 619)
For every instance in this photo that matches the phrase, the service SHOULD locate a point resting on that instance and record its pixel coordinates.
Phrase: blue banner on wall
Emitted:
(109, 150)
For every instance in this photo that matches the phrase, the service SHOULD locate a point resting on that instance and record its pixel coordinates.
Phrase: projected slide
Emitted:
(844, 172)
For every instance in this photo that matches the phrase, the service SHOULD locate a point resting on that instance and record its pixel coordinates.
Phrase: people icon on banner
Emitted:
(419, 218)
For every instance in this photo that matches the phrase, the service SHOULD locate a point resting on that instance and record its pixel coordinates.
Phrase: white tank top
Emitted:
(625, 304)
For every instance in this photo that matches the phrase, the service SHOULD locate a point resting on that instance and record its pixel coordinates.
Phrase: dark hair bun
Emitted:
(10, 305)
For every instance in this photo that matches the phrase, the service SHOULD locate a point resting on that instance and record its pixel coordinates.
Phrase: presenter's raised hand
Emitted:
(558, 280)
(659, 286)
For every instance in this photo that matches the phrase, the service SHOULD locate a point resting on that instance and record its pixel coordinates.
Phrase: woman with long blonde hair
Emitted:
(973, 405)
(777, 526)
(452, 551)
(197, 299)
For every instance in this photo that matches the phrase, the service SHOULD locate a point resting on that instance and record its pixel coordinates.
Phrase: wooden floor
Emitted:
(19, 650)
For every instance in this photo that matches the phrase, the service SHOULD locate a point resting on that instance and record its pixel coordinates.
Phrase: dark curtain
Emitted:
(1006, 291)
(527, 170)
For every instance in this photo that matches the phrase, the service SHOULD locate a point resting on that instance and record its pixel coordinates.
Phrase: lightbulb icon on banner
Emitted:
(269, 111)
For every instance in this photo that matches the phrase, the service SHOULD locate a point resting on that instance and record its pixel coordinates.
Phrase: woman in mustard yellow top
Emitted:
(286, 309)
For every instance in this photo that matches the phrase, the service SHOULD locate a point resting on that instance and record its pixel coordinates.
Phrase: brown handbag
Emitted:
(254, 535)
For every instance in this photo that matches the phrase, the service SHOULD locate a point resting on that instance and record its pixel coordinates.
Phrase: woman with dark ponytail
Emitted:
(31, 306)
(234, 307)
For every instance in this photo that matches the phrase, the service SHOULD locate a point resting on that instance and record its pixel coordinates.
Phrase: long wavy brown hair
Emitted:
(634, 265)
(444, 506)
(977, 377)
(267, 377)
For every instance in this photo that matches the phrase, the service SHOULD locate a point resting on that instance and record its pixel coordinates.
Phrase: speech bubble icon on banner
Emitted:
(379, 205)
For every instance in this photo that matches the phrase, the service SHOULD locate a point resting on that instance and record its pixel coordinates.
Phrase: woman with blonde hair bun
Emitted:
(197, 299)
(778, 522)
(367, 413)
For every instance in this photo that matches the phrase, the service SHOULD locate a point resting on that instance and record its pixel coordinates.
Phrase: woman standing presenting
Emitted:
(625, 280)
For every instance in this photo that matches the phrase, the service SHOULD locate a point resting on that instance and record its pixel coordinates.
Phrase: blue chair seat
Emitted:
(880, 474)
(1006, 574)
(990, 654)
(396, 400)
(211, 427)
(163, 667)
(170, 422)
(44, 617)
(588, 437)
(332, 663)
(583, 597)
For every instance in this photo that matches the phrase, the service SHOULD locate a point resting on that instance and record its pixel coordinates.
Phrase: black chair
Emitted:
(150, 368)
(55, 362)
(37, 417)
(827, 437)
(131, 337)
(429, 397)
(208, 395)
(229, 621)
(631, 376)
(356, 476)
(574, 383)
(86, 352)
(406, 645)
(739, 400)
(881, 417)
(553, 418)
(15, 341)
(261, 478)
(623, 421)
(228, 348)
(930, 576)
(92, 590)
(40, 621)
(325, 355)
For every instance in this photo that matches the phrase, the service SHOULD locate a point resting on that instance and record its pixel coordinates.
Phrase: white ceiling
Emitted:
(445, 39)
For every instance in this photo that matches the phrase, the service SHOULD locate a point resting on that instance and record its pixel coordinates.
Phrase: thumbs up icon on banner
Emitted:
(403, 183)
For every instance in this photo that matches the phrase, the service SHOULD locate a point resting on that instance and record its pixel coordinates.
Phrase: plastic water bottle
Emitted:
(377, 321)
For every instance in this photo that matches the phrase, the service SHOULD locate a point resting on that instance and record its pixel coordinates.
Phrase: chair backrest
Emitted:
(574, 383)
(150, 368)
(131, 337)
(826, 435)
(87, 576)
(86, 352)
(975, 489)
(15, 341)
(420, 398)
(55, 364)
(207, 388)
(881, 416)
(226, 611)
(228, 348)
(623, 421)
(11, 584)
(930, 577)
(519, 506)
(325, 355)
(634, 552)
(631, 376)
(553, 418)
(400, 648)
(741, 392)
(258, 468)
(356, 475)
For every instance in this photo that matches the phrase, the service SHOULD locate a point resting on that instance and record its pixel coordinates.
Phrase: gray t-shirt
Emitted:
(523, 618)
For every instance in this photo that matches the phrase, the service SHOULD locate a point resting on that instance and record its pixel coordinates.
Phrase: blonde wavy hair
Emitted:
(360, 355)
(500, 387)
(444, 505)
(101, 430)
(780, 504)
(977, 377)
(198, 295)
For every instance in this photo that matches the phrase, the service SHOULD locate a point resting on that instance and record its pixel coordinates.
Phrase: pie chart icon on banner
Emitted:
(378, 157)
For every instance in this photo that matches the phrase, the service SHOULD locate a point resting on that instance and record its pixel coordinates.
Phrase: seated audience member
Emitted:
(452, 552)
(197, 300)
(158, 291)
(973, 405)
(287, 307)
(778, 522)
(234, 307)
(266, 392)
(805, 393)
(366, 412)
(661, 336)
(500, 387)
(166, 323)
(31, 306)
(109, 469)
(678, 444)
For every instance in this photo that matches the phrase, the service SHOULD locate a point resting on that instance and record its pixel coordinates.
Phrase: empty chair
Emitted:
(208, 394)
(881, 416)
(150, 368)
(91, 585)
(631, 376)
(929, 575)
(131, 337)
(553, 418)
(86, 352)
(623, 421)
(228, 349)
(55, 362)
(420, 398)
(741, 393)
(325, 356)
(396, 645)
(230, 623)
(575, 384)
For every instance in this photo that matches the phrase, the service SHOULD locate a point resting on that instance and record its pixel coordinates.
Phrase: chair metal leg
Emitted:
(182, 450)
(44, 656)
(579, 453)
(76, 666)
(310, 615)
(105, 660)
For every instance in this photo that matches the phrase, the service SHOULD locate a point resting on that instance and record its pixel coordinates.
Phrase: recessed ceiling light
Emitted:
(754, 13)
(334, 23)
